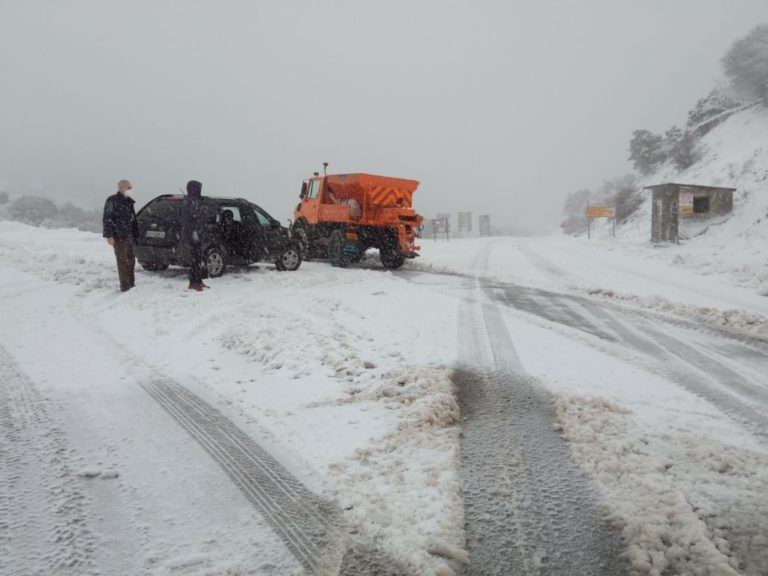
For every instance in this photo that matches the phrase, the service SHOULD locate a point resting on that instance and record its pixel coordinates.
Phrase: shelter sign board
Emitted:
(685, 202)
(601, 212)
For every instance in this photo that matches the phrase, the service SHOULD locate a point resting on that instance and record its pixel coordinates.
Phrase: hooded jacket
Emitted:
(120, 218)
(191, 213)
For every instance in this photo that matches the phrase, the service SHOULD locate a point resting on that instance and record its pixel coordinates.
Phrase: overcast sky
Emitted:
(496, 107)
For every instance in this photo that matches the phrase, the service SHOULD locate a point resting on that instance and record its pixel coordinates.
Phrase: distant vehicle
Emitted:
(341, 216)
(235, 232)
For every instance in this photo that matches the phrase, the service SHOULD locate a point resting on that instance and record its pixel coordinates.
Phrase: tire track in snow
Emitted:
(311, 528)
(307, 525)
(43, 520)
(732, 519)
(700, 374)
(529, 509)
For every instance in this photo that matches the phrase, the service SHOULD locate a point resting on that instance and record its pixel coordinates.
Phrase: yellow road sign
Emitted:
(600, 212)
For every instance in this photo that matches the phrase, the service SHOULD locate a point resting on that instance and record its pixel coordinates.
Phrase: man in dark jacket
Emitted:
(191, 230)
(121, 231)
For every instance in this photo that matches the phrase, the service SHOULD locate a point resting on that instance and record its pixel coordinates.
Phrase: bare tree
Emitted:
(575, 212)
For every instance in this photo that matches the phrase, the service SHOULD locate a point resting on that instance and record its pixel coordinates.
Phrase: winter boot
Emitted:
(196, 285)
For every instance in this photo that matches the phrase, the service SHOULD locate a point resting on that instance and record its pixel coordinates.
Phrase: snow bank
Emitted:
(734, 321)
(63, 255)
(686, 504)
(405, 490)
(402, 488)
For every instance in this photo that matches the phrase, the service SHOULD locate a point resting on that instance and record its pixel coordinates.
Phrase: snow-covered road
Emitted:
(501, 407)
(664, 402)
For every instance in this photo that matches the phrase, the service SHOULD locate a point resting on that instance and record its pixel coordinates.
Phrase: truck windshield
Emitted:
(314, 188)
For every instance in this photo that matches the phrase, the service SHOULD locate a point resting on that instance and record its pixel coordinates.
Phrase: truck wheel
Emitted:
(359, 256)
(336, 249)
(215, 262)
(391, 258)
(290, 259)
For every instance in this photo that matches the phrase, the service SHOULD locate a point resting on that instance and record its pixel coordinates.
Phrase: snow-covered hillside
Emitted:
(734, 154)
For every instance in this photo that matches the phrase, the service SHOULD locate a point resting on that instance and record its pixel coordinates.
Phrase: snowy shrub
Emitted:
(625, 195)
(39, 211)
(672, 137)
(32, 210)
(684, 152)
(646, 151)
(746, 64)
(680, 147)
(71, 216)
(711, 110)
(574, 212)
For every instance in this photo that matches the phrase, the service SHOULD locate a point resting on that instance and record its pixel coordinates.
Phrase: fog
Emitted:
(496, 107)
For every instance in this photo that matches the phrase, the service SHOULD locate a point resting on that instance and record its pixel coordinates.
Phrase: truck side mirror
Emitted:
(303, 190)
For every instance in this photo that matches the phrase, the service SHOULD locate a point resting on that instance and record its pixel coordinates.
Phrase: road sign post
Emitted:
(465, 223)
(600, 212)
(442, 224)
(484, 224)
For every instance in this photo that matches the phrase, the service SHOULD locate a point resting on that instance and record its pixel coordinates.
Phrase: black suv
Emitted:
(235, 231)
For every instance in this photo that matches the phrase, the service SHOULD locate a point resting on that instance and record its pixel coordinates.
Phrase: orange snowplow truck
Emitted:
(341, 216)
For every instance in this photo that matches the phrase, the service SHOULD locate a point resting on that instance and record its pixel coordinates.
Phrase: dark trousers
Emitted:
(126, 262)
(196, 270)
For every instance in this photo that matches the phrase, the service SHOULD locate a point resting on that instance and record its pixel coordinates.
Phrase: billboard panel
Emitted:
(465, 221)
(484, 224)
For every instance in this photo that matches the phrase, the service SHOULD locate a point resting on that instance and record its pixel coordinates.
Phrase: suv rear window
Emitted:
(162, 209)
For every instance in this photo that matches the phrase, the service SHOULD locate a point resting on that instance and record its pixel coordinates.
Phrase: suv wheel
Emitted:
(290, 259)
(215, 262)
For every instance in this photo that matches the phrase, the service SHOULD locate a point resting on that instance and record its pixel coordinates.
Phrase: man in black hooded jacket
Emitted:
(121, 231)
(191, 230)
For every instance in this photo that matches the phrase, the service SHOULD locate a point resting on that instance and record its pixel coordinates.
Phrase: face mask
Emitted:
(128, 193)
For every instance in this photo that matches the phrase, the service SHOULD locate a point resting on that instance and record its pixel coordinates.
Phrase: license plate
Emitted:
(155, 234)
(351, 235)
